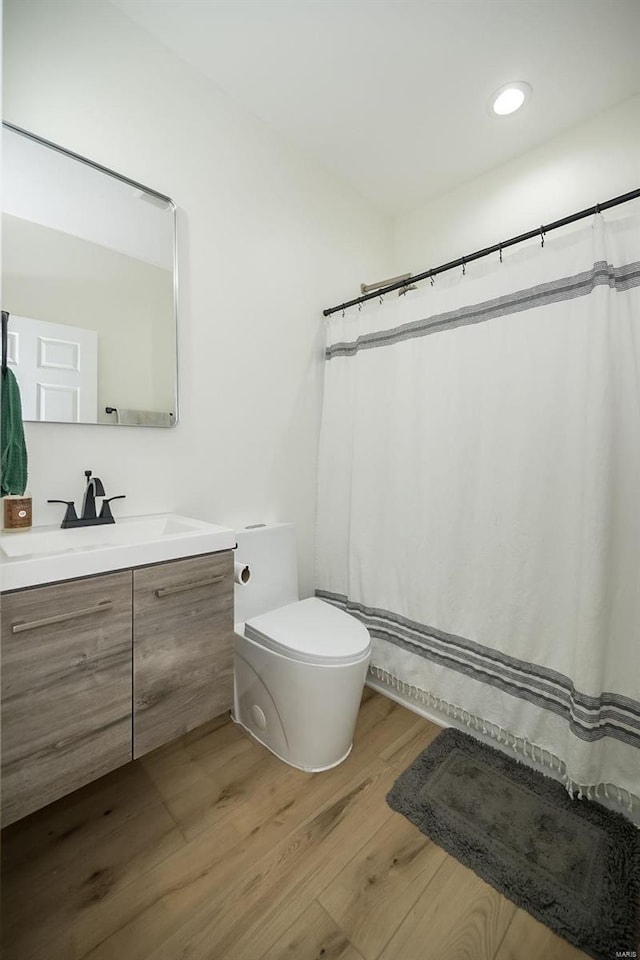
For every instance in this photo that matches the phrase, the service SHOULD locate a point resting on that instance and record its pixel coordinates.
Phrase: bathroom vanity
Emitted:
(99, 670)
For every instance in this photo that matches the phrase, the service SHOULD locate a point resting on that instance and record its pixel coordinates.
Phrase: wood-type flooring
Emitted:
(213, 849)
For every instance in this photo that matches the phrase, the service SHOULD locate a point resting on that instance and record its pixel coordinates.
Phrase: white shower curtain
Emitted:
(479, 497)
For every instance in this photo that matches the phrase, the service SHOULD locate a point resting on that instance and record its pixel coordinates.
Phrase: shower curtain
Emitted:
(479, 498)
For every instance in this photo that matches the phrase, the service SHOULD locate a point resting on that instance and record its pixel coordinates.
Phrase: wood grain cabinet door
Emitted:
(182, 647)
(66, 688)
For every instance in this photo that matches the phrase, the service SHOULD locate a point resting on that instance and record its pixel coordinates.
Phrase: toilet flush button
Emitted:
(258, 717)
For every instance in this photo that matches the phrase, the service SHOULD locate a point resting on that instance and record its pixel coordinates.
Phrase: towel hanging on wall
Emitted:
(13, 450)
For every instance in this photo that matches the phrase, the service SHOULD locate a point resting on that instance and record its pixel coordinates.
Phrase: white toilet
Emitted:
(299, 665)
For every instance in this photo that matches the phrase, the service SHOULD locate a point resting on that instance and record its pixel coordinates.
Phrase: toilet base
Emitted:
(304, 713)
(290, 763)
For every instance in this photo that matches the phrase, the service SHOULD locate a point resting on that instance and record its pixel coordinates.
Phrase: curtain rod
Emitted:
(497, 247)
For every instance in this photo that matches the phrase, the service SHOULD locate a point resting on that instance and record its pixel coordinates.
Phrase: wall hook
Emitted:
(5, 337)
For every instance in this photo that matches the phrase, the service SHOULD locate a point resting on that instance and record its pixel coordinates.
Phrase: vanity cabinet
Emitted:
(66, 688)
(101, 670)
(183, 647)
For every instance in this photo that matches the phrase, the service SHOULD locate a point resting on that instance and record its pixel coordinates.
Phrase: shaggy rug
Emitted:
(572, 864)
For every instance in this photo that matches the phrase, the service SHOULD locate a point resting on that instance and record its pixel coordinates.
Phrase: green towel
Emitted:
(13, 451)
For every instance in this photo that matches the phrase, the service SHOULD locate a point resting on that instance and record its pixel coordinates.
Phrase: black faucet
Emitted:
(93, 489)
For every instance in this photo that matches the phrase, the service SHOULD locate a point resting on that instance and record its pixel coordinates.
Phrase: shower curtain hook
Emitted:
(542, 236)
(500, 249)
(598, 210)
(381, 298)
(360, 308)
(343, 313)
(431, 277)
(464, 267)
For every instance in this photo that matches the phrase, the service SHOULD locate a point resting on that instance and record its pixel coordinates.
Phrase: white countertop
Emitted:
(47, 554)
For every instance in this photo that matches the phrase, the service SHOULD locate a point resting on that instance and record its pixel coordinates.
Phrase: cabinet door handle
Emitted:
(183, 587)
(101, 607)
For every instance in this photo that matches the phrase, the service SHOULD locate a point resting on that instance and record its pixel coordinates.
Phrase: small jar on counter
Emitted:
(17, 512)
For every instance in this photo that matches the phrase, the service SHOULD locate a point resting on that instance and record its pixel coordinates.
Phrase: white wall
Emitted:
(267, 238)
(591, 163)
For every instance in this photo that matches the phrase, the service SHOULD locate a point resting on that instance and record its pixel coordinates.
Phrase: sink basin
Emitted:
(47, 554)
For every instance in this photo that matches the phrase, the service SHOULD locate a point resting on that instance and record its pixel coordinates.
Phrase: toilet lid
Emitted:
(311, 631)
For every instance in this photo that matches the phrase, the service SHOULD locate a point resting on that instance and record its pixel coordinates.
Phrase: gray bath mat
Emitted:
(572, 864)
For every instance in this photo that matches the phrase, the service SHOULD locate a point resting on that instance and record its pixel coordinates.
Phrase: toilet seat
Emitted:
(311, 631)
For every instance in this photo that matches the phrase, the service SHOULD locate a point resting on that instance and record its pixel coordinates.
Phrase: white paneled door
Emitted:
(57, 368)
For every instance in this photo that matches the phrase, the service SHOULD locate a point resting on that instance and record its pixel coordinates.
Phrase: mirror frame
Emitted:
(174, 220)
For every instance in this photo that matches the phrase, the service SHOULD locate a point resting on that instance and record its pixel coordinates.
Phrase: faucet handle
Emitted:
(105, 512)
(70, 515)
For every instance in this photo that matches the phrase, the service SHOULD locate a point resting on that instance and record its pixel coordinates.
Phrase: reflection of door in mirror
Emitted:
(92, 254)
(57, 368)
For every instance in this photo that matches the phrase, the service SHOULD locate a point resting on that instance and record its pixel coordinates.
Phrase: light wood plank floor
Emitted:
(212, 849)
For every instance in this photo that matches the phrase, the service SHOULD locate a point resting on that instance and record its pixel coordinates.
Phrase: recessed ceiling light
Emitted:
(509, 98)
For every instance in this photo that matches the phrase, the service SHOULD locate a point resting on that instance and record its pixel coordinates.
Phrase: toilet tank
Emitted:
(269, 550)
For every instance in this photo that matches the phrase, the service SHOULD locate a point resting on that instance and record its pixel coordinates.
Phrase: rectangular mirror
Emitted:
(89, 280)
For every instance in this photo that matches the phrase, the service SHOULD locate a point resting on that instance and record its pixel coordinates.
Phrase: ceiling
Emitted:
(392, 94)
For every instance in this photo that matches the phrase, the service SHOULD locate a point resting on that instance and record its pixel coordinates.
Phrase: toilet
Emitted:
(299, 665)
